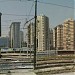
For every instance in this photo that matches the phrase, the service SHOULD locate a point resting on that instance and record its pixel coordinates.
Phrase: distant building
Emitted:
(9, 39)
(69, 35)
(30, 35)
(24, 44)
(21, 38)
(51, 39)
(58, 37)
(15, 35)
(42, 33)
(4, 42)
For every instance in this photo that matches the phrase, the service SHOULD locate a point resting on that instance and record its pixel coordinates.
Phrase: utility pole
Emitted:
(35, 35)
(0, 32)
(0, 24)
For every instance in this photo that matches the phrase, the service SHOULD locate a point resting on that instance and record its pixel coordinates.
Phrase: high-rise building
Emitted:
(15, 35)
(42, 33)
(21, 37)
(9, 39)
(58, 37)
(30, 35)
(51, 39)
(69, 34)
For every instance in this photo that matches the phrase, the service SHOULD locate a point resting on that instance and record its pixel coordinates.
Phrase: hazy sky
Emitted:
(56, 14)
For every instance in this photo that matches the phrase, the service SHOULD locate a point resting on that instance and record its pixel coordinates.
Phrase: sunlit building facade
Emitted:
(69, 35)
(58, 37)
(42, 33)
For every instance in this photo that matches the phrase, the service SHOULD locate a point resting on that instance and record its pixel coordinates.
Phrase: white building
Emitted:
(42, 33)
(15, 35)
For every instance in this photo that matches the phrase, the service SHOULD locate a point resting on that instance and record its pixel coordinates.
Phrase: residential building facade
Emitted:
(51, 39)
(42, 33)
(30, 35)
(69, 34)
(58, 37)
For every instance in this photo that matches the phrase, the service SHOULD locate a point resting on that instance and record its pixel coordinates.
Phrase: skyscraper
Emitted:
(15, 35)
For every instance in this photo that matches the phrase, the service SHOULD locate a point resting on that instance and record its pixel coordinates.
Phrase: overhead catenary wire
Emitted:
(20, 15)
(15, 0)
(29, 14)
(16, 15)
(56, 4)
(5, 1)
(28, 21)
(9, 0)
(13, 20)
(40, 2)
(30, 10)
(21, 19)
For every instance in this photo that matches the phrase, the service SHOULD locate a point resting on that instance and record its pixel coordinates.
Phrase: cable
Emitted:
(28, 16)
(28, 21)
(16, 15)
(55, 4)
(6, 0)
(13, 20)
(31, 9)
(41, 2)
(16, 0)
(4, 25)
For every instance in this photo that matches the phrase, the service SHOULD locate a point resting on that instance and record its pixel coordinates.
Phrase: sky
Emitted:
(57, 14)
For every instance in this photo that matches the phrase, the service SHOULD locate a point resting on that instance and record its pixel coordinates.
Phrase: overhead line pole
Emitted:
(0, 32)
(0, 24)
(35, 35)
